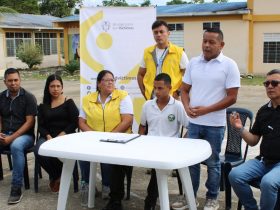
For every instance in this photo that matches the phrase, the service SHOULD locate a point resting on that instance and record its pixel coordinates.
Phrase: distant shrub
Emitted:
(73, 66)
(30, 54)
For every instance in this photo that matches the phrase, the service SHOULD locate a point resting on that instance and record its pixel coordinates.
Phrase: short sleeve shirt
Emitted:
(267, 125)
(165, 122)
(209, 82)
(14, 111)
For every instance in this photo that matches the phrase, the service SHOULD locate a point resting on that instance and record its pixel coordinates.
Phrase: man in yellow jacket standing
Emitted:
(164, 57)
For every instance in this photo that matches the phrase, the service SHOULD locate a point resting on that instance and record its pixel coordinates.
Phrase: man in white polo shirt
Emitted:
(164, 116)
(209, 86)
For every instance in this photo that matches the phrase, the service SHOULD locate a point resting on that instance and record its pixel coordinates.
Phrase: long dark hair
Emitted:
(100, 77)
(47, 95)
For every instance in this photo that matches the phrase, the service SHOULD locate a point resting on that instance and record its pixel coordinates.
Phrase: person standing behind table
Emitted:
(57, 116)
(18, 109)
(266, 166)
(164, 116)
(209, 86)
(109, 110)
(164, 57)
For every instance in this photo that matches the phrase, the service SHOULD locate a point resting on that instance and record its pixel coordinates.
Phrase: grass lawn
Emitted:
(42, 74)
(256, 80)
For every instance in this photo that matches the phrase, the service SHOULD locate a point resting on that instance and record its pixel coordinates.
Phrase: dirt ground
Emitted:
(251, 97)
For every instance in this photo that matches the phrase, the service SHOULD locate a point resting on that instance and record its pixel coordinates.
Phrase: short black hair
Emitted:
(159, 23)
(10, 71)
(273, 71)
(163, 77)
(217, 31)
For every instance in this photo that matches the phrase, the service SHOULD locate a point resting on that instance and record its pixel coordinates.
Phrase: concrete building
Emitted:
(25, 28)
(251, 30)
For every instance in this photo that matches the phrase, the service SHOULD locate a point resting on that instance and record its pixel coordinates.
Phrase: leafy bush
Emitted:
(30, 54)
(73, 66)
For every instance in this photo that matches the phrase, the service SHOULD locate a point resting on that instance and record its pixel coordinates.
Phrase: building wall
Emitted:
(48, 61)
(7, 62)
(266, 7)
(236, 36)
(2, 56)
(73, 42)
(236, 41)
(259, 29)
(238, 31)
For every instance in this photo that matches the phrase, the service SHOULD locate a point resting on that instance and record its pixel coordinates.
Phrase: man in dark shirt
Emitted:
(266, 166)
(18, 109)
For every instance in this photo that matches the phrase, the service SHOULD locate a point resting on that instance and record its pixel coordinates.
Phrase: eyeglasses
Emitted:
(109, 80)
(273, 83)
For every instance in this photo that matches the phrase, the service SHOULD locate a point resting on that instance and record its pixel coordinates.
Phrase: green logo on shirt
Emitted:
(171, 117)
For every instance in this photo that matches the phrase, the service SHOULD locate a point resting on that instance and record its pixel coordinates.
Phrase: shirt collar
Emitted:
(20, 92)
(171, 101)
(107, 99)
(170, 48)
(269, 105)
(220, 57)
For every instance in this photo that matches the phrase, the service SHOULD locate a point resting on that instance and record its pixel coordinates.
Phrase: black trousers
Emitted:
(152, 190)
(53, 166)
(117, 182)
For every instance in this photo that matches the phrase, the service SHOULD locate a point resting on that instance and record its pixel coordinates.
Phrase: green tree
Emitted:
(197, 2)
(22, 6)
(116, 3)
(7, 10)
(219, 1)
(30, 54)
(73, 66)
(58, 8)
(146, 3)
(173, 2)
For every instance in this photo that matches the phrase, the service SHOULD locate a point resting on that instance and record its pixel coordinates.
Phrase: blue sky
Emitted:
(154, 2)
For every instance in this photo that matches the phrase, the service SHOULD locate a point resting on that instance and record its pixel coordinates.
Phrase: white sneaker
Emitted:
(181, 203)
(105, 192)
(211, 204)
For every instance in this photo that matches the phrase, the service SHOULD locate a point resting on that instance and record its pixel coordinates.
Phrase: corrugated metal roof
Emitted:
(26, 21)
(72, 18)
(185, 9)
(201, 8)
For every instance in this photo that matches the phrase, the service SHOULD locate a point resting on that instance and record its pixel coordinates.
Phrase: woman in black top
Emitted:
(57, 116)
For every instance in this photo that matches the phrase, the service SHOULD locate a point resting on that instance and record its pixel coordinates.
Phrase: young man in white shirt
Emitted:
(164, 116)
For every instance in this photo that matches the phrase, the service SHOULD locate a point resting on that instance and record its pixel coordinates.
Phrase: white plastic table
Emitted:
(162, 153)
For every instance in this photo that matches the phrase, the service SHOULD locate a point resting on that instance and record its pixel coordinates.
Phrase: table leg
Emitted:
(67, 170)
(188, 188)
(92, 183)
(162, 176)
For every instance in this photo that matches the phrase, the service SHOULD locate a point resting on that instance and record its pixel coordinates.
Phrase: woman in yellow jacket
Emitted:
(109, 110)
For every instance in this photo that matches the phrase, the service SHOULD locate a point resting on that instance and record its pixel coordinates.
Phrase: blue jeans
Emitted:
(215, 136)
(17, 147)
(105, 172)
(254, 170)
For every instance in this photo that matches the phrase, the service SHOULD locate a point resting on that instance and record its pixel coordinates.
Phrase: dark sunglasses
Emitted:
(273, 83)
